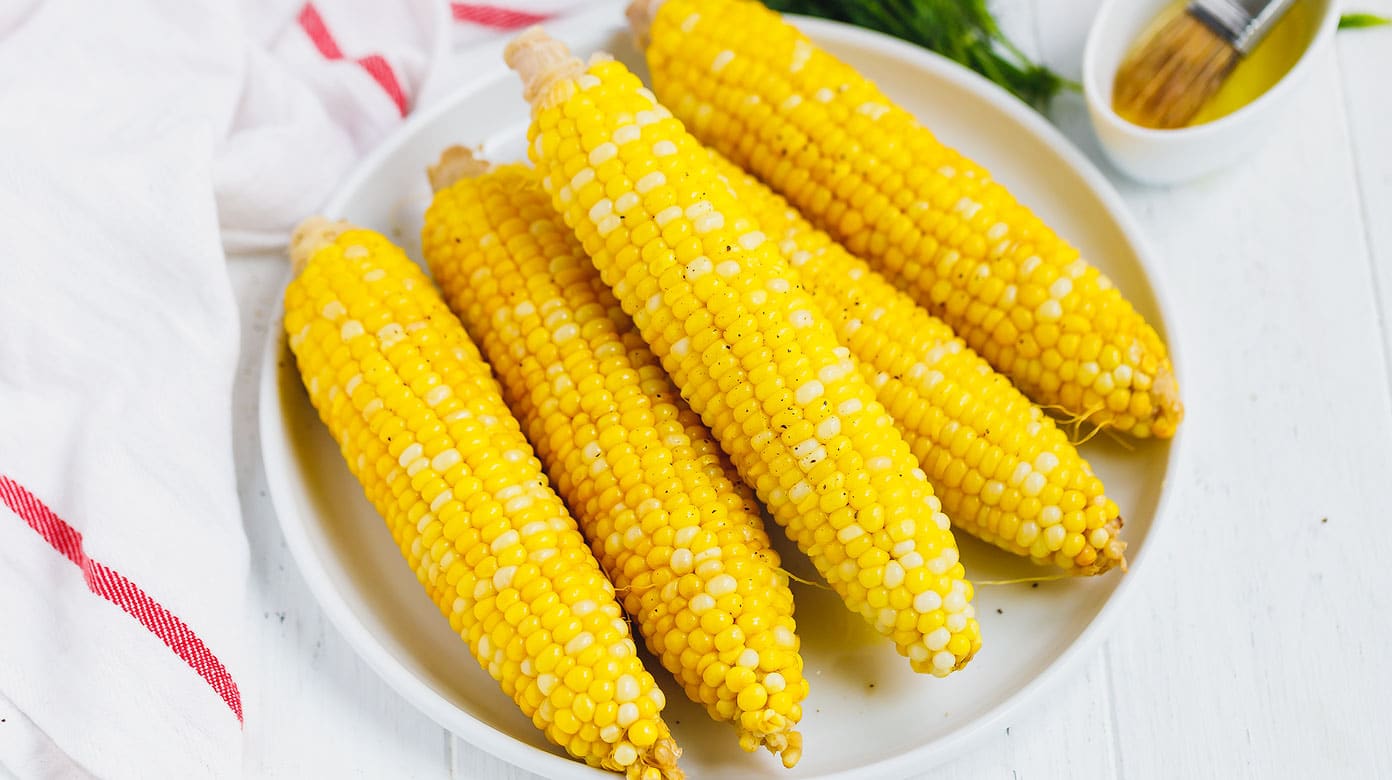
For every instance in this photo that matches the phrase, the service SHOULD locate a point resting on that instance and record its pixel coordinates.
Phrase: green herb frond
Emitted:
(961, 30)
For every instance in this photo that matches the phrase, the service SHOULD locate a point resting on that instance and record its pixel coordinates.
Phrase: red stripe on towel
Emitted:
(495, 17)
(375, 65)
(114, 587)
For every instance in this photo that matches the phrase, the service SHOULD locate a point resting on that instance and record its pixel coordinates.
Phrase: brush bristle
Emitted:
(1166, 80)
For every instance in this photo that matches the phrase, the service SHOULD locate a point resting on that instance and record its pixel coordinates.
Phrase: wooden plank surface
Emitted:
(1253, 648)
(1273, 526)
(1365, 63)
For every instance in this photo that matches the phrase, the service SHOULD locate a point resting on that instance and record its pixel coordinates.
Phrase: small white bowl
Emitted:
(1170, 156)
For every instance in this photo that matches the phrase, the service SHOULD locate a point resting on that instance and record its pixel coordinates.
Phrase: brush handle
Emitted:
(1242, 22)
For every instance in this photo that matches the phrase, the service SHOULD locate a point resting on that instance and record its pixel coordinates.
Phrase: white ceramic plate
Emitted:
(868, 715)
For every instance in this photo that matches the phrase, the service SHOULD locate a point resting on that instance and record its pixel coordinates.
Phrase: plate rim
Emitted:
(276, 460)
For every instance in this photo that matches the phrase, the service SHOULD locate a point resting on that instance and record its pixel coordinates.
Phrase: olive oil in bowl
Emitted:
(1267, 64)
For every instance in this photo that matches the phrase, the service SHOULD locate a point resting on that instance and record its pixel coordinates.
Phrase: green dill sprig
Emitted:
(961, 30)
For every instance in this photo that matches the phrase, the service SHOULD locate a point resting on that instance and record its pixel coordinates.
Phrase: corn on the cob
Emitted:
(748, 350)
(934, 222)
(1005, 473)
(682, 540)
(423, 428)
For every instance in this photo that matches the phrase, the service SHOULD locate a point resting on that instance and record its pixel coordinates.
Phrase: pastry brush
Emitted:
(1166, 80)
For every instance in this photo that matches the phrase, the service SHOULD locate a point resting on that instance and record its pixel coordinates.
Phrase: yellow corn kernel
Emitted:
(663, 510)
(962, 419)
(935, 223)
(423, 428)
(748, 348)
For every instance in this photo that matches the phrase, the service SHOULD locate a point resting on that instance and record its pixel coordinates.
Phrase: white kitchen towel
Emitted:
(140, 142)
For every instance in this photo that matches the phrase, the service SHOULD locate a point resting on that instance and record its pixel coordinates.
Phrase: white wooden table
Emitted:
(1257, 645)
